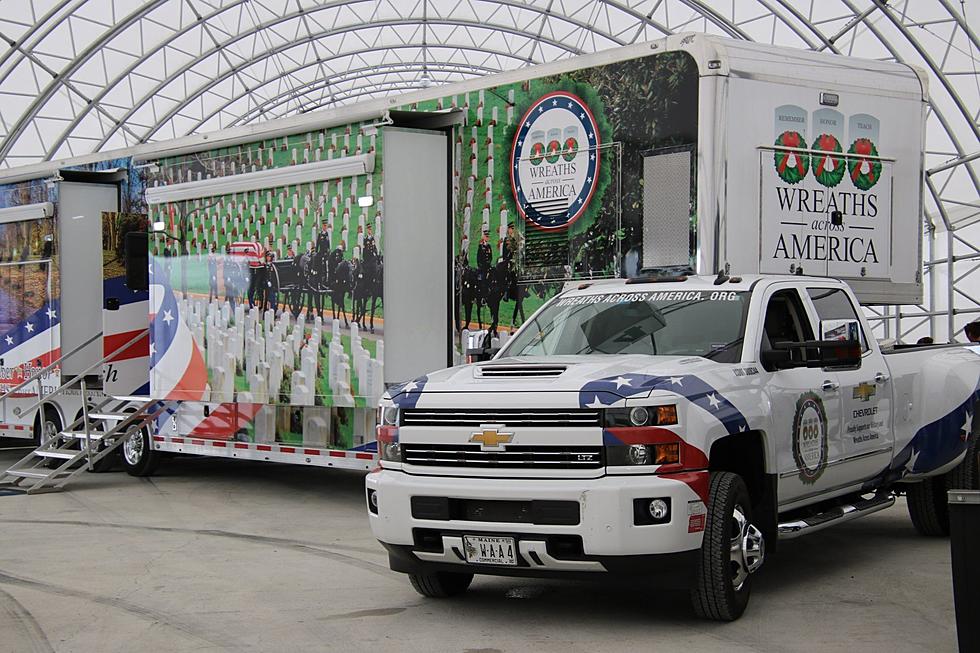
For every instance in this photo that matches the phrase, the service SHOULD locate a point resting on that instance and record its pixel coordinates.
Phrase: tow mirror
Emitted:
(815, 353)
(482, 346)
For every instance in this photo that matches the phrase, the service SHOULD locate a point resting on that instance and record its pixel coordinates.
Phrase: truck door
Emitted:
(805, 402)
(865, 396)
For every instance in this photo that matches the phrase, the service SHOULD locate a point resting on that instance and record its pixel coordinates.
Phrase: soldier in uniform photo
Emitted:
(230, 272)
(511, 253)
(484, 257)
(256, 277)
(270, 289)
(323, 239)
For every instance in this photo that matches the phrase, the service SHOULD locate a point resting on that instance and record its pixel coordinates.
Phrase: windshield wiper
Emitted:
(725, 347)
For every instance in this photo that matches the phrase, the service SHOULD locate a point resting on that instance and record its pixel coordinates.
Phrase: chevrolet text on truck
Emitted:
(643, 425)
(678, 418)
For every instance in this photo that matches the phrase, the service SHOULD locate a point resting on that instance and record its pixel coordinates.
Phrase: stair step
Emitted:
(114, 416)
(129, 398)
(49, 453)
(23, 473)
(80, 435)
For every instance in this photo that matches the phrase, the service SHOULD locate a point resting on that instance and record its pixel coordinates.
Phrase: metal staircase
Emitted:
(102, 427)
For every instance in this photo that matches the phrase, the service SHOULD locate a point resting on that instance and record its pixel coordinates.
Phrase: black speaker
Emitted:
(137, 260)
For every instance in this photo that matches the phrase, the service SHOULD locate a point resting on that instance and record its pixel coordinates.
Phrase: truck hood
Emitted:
(621, 375)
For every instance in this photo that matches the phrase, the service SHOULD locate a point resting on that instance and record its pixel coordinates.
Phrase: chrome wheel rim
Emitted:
(747, 549)
(133, 448)
(49, 430)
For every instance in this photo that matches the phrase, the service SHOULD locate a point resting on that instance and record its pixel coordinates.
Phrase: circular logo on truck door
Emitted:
(554, 160)
(810, 437)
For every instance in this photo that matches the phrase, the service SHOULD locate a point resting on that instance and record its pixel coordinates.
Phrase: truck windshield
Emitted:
(704, 323)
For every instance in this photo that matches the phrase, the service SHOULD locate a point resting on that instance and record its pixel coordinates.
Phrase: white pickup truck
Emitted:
(655, 425)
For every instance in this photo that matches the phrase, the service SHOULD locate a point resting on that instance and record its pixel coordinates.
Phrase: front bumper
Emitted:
(604, 539)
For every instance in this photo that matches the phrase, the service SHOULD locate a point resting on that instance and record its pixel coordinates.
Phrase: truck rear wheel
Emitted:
(732, 550)
(441, 584)
(928, 505)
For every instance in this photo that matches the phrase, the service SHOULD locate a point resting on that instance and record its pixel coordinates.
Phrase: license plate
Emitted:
(482, 550)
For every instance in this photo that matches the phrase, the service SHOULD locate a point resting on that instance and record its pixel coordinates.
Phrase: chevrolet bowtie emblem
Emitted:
(863, 391)
(490, 437)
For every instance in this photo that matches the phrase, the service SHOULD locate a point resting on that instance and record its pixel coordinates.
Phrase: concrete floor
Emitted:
(215, 555)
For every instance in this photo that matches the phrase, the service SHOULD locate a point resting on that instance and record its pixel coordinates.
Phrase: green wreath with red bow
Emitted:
(828, 169)
(791, 166)
(865, 172)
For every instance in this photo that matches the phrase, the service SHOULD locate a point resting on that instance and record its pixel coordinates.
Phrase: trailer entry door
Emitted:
(417, 298)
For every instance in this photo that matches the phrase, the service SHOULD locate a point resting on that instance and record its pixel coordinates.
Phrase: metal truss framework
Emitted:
(80, 76)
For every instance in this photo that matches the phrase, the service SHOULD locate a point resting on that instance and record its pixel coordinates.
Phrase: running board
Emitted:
(837, 515)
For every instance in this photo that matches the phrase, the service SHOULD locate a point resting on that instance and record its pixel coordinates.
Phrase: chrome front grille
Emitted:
(508, 417)
(513, 457)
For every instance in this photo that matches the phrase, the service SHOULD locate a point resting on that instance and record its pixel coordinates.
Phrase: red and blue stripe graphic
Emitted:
(606, 392)
(177, 369)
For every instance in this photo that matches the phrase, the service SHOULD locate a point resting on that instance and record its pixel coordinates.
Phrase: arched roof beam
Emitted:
(300, 12)
(352, 53)
(273, 101)
(364, 73)
(61, 78)
(324, 34)
(49, 154)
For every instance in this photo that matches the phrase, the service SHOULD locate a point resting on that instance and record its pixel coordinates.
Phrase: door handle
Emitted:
(881, 378)
(829, 386)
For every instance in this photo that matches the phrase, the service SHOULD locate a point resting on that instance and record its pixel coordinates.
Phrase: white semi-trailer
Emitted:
(299, 267)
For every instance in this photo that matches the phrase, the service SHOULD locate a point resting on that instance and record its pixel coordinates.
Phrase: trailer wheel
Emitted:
(138, 456)
(47, 426)
(441, 584)
(732, 550)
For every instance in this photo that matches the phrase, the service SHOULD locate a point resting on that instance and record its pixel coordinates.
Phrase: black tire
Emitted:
(138, 456)
(722, 586)
(927, 506)
(441, 584)
(927, 500)
(48, 421)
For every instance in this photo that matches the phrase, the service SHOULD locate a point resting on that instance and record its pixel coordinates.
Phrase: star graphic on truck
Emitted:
(911, 462)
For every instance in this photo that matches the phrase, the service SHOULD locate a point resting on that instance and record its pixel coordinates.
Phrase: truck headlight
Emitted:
(662, 453)
(390, 451)
(640, 416)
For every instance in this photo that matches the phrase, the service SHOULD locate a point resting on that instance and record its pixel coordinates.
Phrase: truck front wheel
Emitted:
(441, 584)
(733, 548)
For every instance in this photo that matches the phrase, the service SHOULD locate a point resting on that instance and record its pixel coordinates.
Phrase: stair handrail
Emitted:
(78, 377)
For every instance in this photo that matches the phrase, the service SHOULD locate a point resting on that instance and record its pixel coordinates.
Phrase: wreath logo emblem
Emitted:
(864, 172)
(791, 165)
(810, 437)
(828, 169)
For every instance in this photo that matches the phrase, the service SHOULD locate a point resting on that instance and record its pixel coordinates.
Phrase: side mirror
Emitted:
(777, 359)
(816, 353)
(481, 347)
